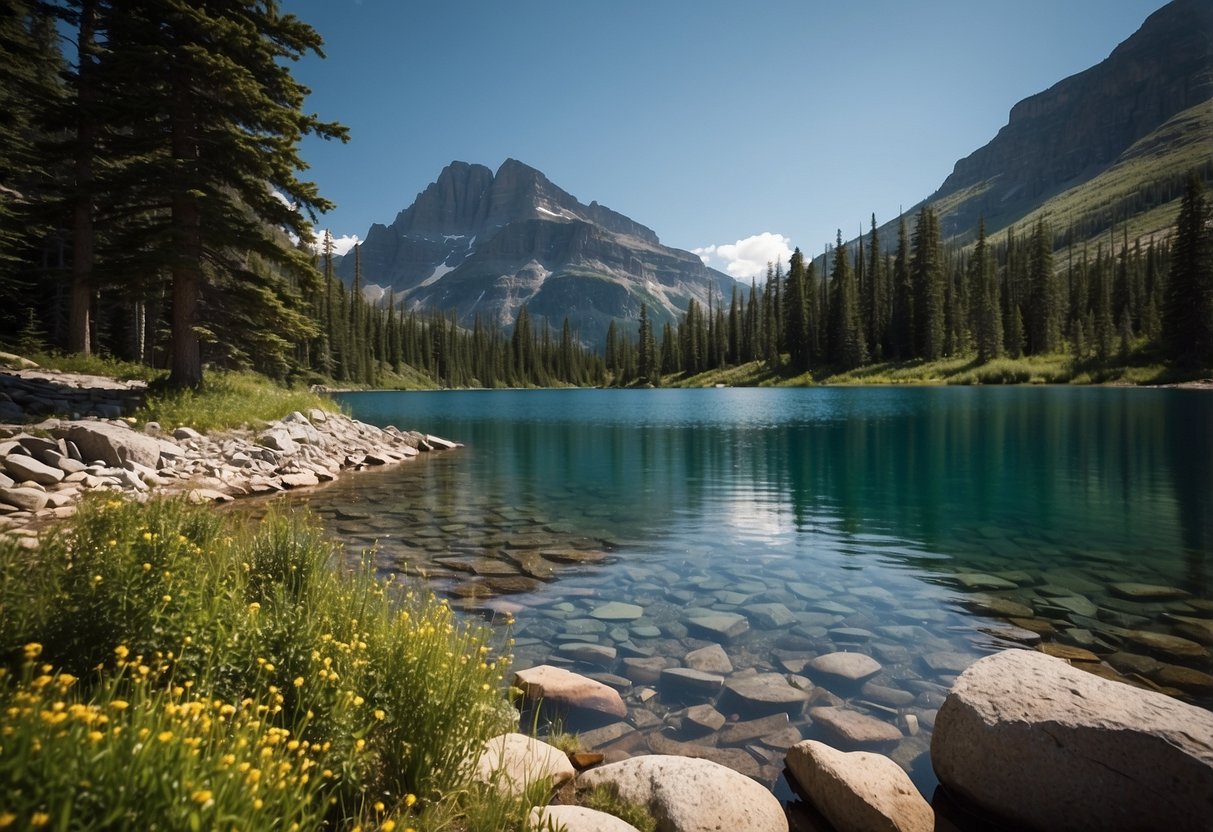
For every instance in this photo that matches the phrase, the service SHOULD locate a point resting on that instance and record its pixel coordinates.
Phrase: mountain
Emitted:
(1107, 147)
(484, 243)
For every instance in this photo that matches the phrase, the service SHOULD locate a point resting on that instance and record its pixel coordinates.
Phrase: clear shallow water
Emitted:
(922, 527)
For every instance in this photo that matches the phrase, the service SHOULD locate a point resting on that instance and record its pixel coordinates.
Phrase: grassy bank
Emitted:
(166, 668)
(1139, 369)
(227, 400)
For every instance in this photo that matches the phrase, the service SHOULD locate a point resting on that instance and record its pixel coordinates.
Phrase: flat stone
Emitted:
(852, 634)
(595, 654)
(1009, 632)
(977, 580)
(1067, 652)
(993, 605)
(1043, 745)
(560, 689)
(710, 659)
(617, 611)
(853, 729)
(944, 661)
(301, 480)
(1168, 644)
(576, 819)
(704, 718)
(646, 631)
(859, 791)
(1076, 604)
(1184, 678)
(852, 667)
(605, 735)
(512, 762)
(1146, 592)
(1197, 629)
(724, 626)
(691, 795)
(765, 693)
(685, 679)
(644, 671)
(883, 695)
(739, 733)
(770, 616)
(24, 498)
(26, 468)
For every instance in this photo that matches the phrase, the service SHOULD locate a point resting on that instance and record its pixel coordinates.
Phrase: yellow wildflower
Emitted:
(39, 819)
(147, 567)
(409, 800)
(120, 704)
(7, 819)
(298, 681)
(387, 825)
(379, 807)
(164, 736)
(95, 736)
(121, 651)
(33, 650)
(202, 796)
(379, 713)
(254, 606)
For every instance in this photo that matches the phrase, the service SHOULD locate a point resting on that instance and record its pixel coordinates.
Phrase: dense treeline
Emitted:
(150, 209)
(920, 299)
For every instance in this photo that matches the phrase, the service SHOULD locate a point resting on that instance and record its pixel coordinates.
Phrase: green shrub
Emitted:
(230, 649)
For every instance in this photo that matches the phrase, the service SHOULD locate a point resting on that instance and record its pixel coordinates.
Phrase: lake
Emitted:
(920, 527)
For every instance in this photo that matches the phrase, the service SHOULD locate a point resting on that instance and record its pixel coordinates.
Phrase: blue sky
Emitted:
(745, 125)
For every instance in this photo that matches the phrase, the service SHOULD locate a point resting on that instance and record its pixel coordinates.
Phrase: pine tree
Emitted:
(1188, 301)
(1044, 299)
(901, 311)
(987, 310)
(796, 301)
(848, 348)
(214, 124)
(926, 276)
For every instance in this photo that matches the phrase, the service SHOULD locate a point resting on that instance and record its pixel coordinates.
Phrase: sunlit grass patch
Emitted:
(228, 400)
(167, 668)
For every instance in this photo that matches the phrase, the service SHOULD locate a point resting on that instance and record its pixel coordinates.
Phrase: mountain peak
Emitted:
(484, 243)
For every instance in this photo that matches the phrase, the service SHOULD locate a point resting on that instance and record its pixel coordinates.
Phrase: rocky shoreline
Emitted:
(47, 466)
(1023, 741)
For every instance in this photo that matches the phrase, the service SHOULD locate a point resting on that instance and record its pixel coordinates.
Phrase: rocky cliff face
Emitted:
(1077, 128)
(483, 244)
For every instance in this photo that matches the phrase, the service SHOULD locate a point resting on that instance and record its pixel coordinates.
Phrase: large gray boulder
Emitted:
(1043, 745)
(512, 762)
(112, 444)
(858, 791)
(684, 794)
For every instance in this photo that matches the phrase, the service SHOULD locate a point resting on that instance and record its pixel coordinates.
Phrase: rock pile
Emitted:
(35, 392)
(46, 467)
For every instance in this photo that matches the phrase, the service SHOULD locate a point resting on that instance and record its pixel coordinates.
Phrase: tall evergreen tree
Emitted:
(796, 301)
(901, 310)
(1044, 300)
(926, 276)
(848, 348)
(987, 309)
(1188, 302)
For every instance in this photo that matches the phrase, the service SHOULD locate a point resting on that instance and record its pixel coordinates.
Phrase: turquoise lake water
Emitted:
(922, 527)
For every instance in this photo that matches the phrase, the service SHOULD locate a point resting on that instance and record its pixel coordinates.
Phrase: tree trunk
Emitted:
(186, 363)
(79, 335)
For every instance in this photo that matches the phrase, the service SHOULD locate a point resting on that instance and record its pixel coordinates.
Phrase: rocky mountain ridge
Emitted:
(484, 243)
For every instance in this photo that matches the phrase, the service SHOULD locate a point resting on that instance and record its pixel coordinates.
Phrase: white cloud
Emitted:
(341, 245)
(748, 257)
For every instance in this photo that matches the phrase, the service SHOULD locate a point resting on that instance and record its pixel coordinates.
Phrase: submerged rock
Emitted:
(562, 689)
(1046, 746)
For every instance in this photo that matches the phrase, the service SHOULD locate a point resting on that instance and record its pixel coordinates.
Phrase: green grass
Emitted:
(95, 365)
(227, 400)
(163, 667)
(1140, 368)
